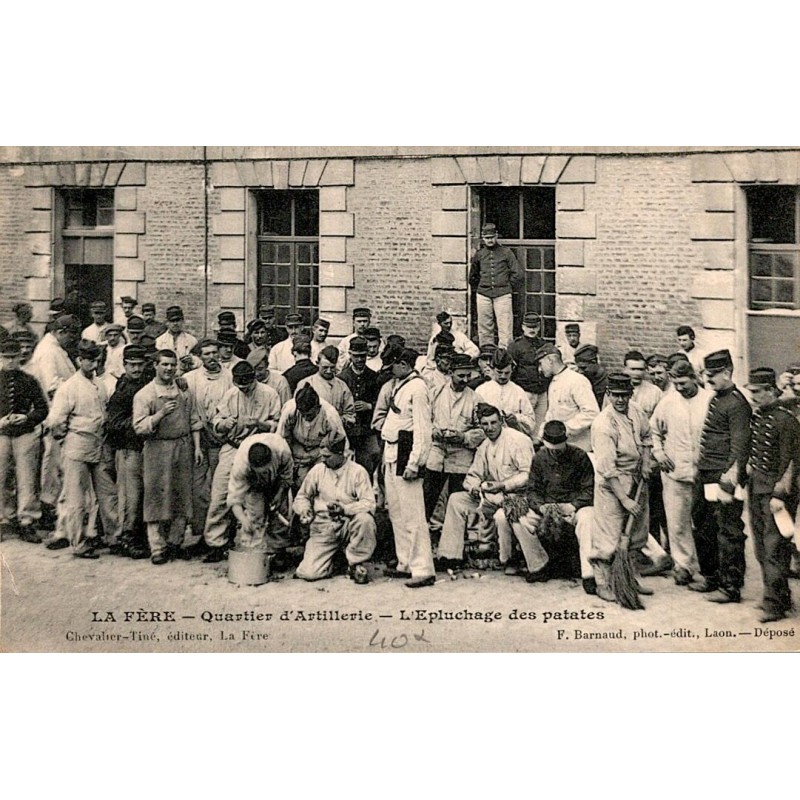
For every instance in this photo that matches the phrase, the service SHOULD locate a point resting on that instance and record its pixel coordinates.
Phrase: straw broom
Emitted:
(622, 579)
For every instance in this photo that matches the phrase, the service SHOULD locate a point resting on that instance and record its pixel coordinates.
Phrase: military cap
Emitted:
(555, 432)
(794, 369)
(306, 398)
(572, 327)
(293, 319)
(57, 305)
(98, 305)
(256, 324)
(226, 318)
(257, 356)
(323, 323)
(656, 358)
(619, 383)
(227, 338)
(267, 309)
(115, 328)
(407, 356)
(128, 299)
(243, 373)
(10, 347)
(67, 322)
(487, 351)
(390, 353)
(532, 320)
(444, 350)
(148, 342)
(394, 338)
(546, 350)
(134, 353)
(444, 337)
(586, 354)
(174, 313)
(358, 346)
(149, 307)
(135, 323)
(501, 359)
(674, 357)
(718, 361)
(362, 312)
(88, 349)
(489, 229)
(461, 361)
(763, 376)
(372, 334)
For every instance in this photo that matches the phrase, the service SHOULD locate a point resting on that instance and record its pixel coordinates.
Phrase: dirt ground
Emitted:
(52, 601)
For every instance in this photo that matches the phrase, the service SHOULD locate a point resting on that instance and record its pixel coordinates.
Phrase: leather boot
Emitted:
(602, 575)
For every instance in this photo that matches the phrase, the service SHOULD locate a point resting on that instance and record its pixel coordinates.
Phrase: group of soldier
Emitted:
(126, 434)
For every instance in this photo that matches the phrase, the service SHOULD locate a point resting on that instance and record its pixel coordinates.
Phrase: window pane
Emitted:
(73, 251)
(760, 264)
(282, 296)
(267, 274)
(276, 214)
(784, 265)
(549, 257)
(760, 291)
(283, 276)
(303, 296)
(303, 275)
(772, 214)
(306, 214)
(549, 328)
(539, 213)
(501, 206)
(99, 250)
(74, 218)
(548, 305)
(303, 253)
(105, 217)
(284, 255)
(549, 282)
(784, 291)
(533, 282)
(314, 253)
(534, 258)
(533, 303)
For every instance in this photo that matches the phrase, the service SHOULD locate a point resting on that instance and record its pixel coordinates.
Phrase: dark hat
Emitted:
(306, 398)
(88, 349)
(547, 350)
(243, 373)
(148, 307)
(56, 305)
(330, 353)
(128, 299)
(372, 334)
(358, 346)
(67, 322)
(487, 351)
(323, 323)
(501, 359)
(619, 383)
(656, 358)
(256, 324)
(257, 356)
(718, 361)
(572, 327)
(407, 356)
(555, 432)
(794, 369)
(228, 338)
(293, 319)
(98, 305)
(489, 228)
(10, 348)
(226, 318)
(395, 338)
(148, 342)
(390, 353)
(115, 328)
(532, 320)
(362, 311)
(763, 376)
(337, 445)
(174, 313)
(586, 354)
(135, 323)
(134, 353)
(209, 341)
(444, 350)
(461, 361)
(442, 316)
(266, 308)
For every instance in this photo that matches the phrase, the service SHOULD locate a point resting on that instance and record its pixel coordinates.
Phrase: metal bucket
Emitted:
(248, 567)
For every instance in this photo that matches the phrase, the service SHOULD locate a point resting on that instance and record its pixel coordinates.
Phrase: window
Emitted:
(87, 248)
(774, 252)
(526, 222)
(288, 252)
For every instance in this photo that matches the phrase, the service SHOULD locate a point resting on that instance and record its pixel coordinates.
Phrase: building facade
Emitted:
(629, 242)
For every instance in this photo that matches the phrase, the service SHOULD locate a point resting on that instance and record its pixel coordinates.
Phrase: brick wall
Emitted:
(392, 250)
(173, 246)
(643, 255)
(15, 256)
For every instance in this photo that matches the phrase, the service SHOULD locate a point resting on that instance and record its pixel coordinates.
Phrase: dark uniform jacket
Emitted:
(494, 271)
(364, 387)
(526, 373)
(21, 393)
(561, 477)
(774, 448)
(726, 435)
(119, 428)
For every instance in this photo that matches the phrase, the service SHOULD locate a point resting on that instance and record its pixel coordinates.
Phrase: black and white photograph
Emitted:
(444, 399)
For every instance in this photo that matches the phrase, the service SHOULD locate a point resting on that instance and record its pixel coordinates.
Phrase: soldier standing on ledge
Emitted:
(494, 274)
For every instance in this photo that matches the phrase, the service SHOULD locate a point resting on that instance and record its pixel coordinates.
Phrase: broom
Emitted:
(623, 579)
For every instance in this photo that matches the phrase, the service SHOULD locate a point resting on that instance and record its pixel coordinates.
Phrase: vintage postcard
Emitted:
(399, 399)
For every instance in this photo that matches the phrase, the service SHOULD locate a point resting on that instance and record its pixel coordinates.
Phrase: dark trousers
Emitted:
(704, 526)
(774, 554)
(658, 516)
(433, 484)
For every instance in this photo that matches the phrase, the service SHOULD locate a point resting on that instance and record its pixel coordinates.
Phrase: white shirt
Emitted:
(570, 400)
(281, 356)
(510, 398)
